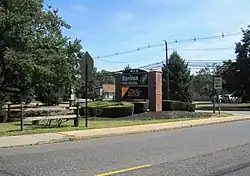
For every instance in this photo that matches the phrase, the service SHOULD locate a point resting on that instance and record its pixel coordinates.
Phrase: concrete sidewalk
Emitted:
(24, 140)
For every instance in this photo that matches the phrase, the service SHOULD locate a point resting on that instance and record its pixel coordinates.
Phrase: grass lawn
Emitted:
(13, 128)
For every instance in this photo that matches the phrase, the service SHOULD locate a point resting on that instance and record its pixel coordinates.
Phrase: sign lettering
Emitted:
(134, 84)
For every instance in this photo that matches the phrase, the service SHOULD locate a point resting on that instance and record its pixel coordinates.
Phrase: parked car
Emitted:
(229, 98)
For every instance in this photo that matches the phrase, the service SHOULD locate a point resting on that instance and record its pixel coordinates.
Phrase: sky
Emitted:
(112, 26)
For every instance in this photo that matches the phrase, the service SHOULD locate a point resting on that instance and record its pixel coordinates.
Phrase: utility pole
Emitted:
(167, 67)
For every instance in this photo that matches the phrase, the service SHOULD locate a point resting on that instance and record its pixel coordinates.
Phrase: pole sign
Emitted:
(86, 63)
(134, 84)
(217, 83)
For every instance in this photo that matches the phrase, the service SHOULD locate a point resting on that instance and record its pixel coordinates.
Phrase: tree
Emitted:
(35, 56)
(94, 86)
(127, 68)
(203, 82)
(243, 65)
(105, 77)
(228, 73)
(180, 79)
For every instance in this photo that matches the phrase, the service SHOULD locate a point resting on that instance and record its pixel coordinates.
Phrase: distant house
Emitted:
(108, 91)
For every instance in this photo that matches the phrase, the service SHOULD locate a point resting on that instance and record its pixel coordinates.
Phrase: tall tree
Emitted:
(243, 65)
(35, 55)
(180, 79)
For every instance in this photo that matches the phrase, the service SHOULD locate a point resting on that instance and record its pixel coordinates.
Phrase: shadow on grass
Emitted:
(31, 127)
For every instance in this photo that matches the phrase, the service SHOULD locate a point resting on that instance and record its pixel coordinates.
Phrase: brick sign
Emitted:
(134, 84)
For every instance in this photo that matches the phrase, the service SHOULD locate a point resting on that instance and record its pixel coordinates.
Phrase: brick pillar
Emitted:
(155, 90)
(118, 89)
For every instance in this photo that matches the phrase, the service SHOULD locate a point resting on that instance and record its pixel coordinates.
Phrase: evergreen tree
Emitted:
(180, 79)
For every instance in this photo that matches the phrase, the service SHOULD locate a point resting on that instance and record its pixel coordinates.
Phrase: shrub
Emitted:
(95, 108)
(168, 105)
(140, 106)
(120, 109)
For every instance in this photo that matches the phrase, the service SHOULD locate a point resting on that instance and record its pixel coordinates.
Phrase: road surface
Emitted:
(213, 150)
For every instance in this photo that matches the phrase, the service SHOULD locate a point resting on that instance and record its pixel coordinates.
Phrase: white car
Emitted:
(229, 98)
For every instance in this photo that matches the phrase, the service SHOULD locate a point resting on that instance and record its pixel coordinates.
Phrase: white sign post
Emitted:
(218, 88)
(217, 83)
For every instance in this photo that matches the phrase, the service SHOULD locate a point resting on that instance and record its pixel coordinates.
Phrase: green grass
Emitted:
(13, 128)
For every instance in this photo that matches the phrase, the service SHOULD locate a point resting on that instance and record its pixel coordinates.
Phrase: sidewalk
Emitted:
(24, 140)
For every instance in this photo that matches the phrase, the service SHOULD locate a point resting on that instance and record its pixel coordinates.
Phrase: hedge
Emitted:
(119, 110)
(95, 108)
(169, 105)
(140, 106)
(108, 109)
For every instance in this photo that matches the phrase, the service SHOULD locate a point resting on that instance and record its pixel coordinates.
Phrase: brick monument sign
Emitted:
(137, 84)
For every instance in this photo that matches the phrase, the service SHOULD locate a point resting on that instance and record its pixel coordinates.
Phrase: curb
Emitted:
(154, 130)
(175, 125)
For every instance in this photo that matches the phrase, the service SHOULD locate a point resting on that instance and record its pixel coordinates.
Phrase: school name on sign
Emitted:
(134, 78)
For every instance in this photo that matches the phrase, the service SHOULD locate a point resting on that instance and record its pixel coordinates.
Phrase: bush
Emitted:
(140, 106)
(121, 109)
(169, 105)
(95, 109)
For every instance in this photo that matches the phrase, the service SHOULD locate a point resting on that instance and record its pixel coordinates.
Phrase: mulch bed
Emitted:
(160, 115)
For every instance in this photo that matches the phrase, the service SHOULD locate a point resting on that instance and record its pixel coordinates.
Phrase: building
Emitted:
(108, 91)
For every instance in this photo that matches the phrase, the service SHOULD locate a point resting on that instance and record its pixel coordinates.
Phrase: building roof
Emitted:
(108, 88)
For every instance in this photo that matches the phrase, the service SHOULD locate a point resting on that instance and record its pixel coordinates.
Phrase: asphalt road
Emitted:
(213, 150)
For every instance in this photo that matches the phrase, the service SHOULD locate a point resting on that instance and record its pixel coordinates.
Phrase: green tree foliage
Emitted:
(180, 79)
(242, 71)
(203, 82)
(94, 85)
(228, 73)
(105, 77)
(36, 58)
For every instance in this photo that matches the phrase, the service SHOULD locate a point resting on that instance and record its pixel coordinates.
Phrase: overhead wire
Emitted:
(223, 35)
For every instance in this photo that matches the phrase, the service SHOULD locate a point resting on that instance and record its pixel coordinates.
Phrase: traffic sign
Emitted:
(86, 66)
(217, 83)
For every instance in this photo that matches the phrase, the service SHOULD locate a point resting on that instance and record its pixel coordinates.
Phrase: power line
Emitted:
(201, 49)
(162, 44)
(174, 49)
